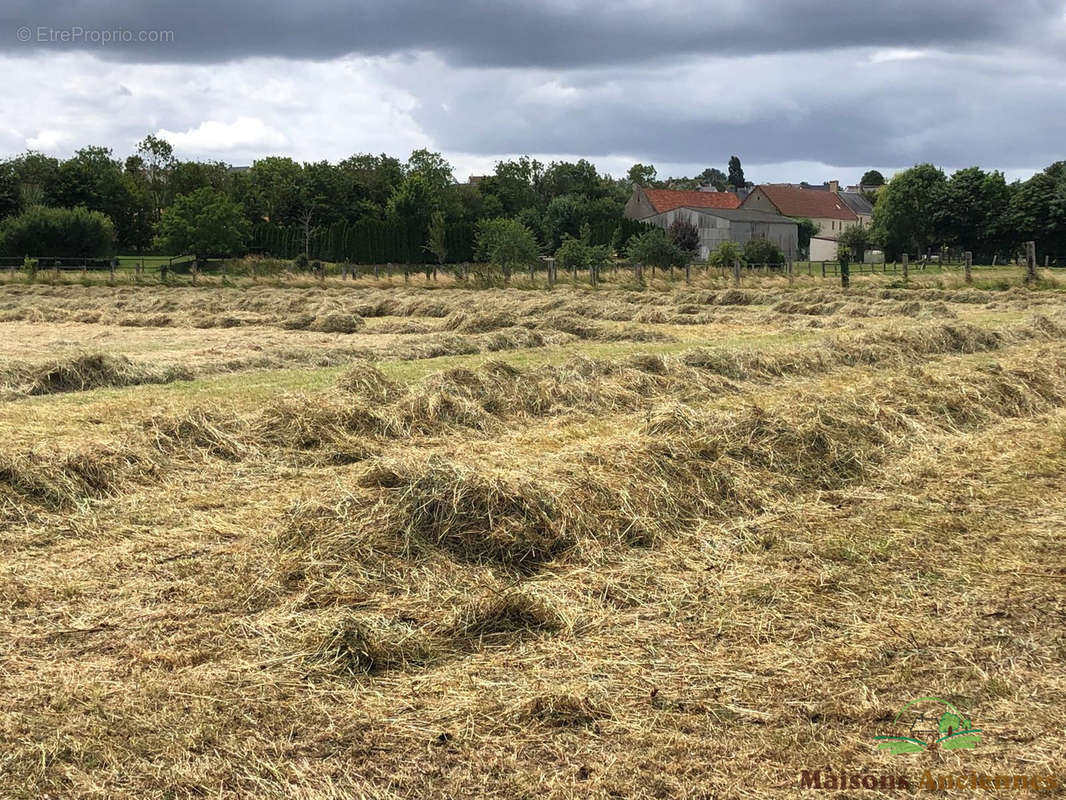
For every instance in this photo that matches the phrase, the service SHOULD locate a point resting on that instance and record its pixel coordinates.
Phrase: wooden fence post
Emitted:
(791, 272)
(736, 272)
(967, 265)
(823, 269)
(906, 270)
(1030, 261)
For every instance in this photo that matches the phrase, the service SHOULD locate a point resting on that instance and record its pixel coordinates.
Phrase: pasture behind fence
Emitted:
(544, 272)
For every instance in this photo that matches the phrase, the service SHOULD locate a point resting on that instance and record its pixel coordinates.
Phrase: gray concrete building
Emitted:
(716, 225)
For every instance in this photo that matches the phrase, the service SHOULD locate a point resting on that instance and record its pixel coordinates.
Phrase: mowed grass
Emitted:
(681, 543)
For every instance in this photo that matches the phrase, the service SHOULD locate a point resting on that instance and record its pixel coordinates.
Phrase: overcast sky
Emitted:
(807, 89)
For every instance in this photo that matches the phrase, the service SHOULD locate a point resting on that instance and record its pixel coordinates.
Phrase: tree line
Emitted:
(377, 208)
(923, 210)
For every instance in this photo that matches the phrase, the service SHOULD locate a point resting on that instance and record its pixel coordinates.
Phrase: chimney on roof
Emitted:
(834, 186)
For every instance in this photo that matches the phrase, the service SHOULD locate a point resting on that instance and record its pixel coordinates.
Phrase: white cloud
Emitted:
(223, 137)
(46, 140)
(552, 93)
(236, 112)
(789, 116)
(896, 54)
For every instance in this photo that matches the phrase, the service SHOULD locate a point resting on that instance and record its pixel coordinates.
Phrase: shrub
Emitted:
(301, 261)
(654, 249)
(856, 240)
(580, 255)
(763, 251)
(726, 255)
(685, 235)
(66, 232)
(506, 244)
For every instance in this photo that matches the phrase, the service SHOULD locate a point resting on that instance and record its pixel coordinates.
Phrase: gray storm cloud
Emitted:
(555, 33)
(848, 84)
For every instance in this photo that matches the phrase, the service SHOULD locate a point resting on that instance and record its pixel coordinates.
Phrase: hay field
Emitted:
(431, 542)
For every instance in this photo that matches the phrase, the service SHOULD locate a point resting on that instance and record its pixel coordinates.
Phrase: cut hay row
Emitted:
(351, 423)
(88, 371)
(683, 464)
(344, 311)
(680, 469)
(353, 644)
(56, 481)
(81, 373)
(727, 662)
(365, 403)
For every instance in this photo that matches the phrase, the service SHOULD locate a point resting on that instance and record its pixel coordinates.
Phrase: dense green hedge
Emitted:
(66, 232)
(380, 242)
(364, 242)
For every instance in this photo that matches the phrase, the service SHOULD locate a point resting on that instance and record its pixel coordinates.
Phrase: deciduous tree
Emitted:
(204, 223)
(906, 211)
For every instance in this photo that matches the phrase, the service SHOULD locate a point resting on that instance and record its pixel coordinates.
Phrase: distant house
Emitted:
(862, 207)
(716, 225)
(865, 188)
(824, 207)
(645, 203)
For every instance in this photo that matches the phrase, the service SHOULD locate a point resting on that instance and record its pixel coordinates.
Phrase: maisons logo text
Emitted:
(924, 725)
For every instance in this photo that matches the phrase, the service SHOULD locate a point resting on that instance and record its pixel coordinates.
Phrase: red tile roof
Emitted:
(795, 201)
(663, 200)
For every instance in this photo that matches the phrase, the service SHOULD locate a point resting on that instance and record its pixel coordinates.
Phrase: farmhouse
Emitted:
(858, 203)
(645, 203)
(716, 225)
(824, 207)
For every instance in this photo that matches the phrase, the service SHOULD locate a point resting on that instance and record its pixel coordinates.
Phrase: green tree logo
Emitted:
(928, 723)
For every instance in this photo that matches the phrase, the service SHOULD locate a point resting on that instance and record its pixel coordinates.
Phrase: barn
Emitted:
(716, 225)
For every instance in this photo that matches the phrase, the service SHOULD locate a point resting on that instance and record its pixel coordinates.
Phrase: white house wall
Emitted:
(823, 249)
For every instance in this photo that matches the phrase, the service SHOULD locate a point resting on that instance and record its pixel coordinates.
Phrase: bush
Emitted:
(726, 255)
(65, 232)
(577, 254)
(654, 249)
(763, 251)
(856, 240)
(301, 261)
(685, 235)
(506, 244)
